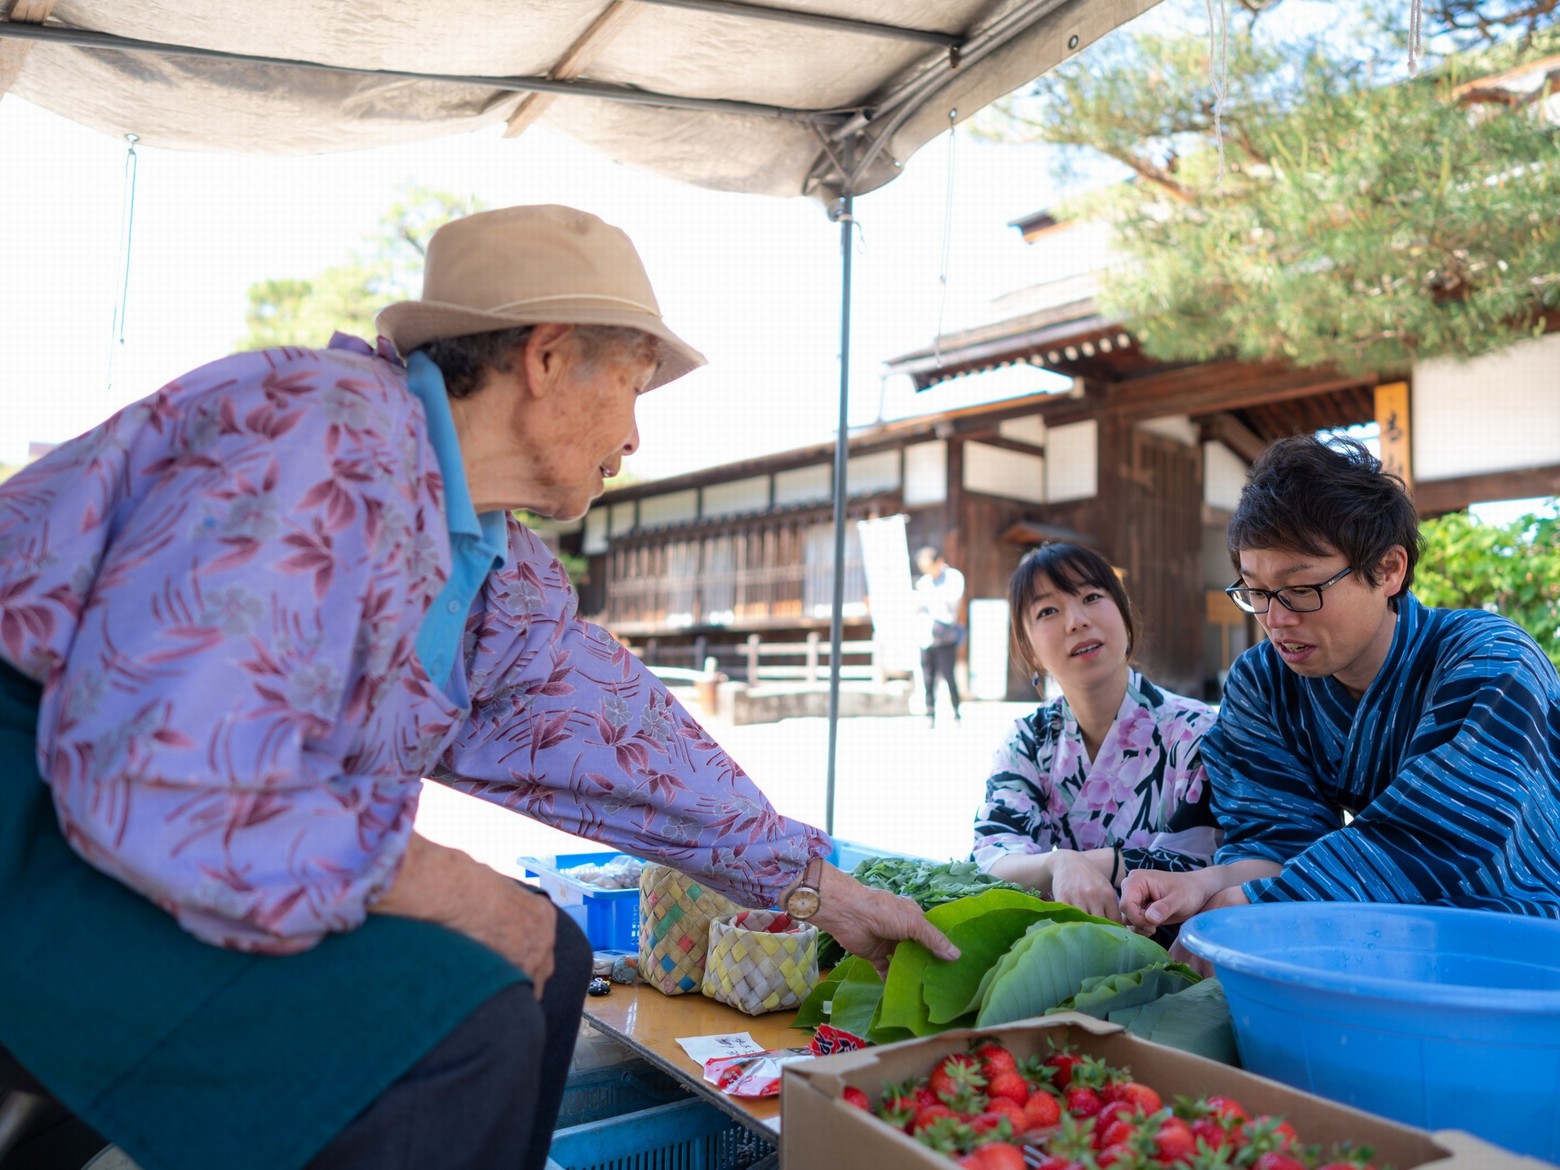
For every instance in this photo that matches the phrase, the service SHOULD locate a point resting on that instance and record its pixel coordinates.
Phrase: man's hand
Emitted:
(1151, 898)
(1229, 896)
(869, 922)
(443, 885)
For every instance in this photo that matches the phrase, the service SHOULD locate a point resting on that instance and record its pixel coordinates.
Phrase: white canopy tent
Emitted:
(824, 98)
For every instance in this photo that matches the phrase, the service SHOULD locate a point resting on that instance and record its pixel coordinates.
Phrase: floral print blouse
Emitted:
(1145, 788)
(221, 590)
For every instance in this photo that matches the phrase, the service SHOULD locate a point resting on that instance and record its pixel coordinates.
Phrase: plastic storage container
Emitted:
(1435, 1017)
(609, 918)
(687, 1135)
(610, 1091)
(848, 855)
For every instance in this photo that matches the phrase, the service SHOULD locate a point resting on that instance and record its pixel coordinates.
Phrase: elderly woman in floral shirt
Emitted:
(1107, 778)
(242, 619)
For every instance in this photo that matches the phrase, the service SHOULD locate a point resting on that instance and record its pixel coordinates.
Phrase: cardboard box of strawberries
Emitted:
(1070, 1092)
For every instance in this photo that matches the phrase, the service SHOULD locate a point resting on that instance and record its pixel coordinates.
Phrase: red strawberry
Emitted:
(1042, 1110)
(956, 1076)
(1275, 1160)
(994, 1156)
(994, 1059)
(1211, 1132)
(1225, 1107)
(1175, 1141)
(1135, 1095)
(1062, 1062)
(1083, 1101)
(1005, 1107)
(1007, 1085)
(856, 1097)
(928, 1114)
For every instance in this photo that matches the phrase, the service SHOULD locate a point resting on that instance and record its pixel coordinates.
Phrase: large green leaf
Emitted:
(904, 1003)
(951, 989)
(1049, 964)
(1103, 996)
(856, 998)
(1194, 1020)
(814, 1010)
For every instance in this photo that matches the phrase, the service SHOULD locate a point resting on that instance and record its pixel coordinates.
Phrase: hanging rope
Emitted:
(127, 238)
(1218, 71)
(947, 240)
(1416, 37)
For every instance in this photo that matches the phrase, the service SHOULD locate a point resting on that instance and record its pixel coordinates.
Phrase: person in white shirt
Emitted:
(938, 591)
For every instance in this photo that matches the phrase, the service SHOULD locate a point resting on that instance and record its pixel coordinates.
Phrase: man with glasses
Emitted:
(1371, 749)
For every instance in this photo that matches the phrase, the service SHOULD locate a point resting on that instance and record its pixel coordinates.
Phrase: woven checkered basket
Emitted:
(674, 928)
(760, 961)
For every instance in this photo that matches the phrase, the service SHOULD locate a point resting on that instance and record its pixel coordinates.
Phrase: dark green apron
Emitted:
(188, 1056)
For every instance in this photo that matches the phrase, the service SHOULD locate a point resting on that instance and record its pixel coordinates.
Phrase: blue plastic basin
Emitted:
(1435, 1017)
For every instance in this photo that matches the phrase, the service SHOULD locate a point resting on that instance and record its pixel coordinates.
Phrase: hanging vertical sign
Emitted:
(1396, 440)
(885, 556)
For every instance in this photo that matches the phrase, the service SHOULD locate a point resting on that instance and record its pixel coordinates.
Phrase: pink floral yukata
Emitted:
(1145, 789)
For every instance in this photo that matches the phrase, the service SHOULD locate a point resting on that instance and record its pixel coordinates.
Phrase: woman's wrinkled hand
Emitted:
(443, 885)
(870, 923)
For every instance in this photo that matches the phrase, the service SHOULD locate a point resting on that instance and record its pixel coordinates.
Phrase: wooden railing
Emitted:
(755, 661)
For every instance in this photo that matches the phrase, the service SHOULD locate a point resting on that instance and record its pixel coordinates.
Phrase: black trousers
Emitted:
(939, 661)
(487, 1096)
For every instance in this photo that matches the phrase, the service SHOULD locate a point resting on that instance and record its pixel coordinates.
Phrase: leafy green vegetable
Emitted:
(904, 1002)
(856, 998)
(1103, 996)
(814, 1010)
(929, 883)
(1049, 964)
(1195, 1020)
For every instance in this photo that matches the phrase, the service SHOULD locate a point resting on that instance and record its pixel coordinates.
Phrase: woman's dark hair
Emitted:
(1325, 497)
(1071, 568)
(464, 361)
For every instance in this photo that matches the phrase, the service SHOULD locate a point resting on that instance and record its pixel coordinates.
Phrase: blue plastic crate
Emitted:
(599, 1093)
(687, 1135)
(609, 918)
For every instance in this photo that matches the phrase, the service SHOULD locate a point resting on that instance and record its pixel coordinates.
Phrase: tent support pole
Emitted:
(842, 213)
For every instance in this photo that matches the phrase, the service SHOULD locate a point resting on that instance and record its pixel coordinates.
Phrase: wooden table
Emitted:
(650, 1023)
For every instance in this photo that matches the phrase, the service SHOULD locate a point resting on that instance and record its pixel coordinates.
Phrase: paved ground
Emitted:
(898, 785)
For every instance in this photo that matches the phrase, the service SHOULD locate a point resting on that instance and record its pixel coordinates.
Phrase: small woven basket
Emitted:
(674, 928)
(760, 961)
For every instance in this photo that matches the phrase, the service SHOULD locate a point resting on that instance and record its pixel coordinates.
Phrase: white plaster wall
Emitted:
(1499, 412)
(996, 471)
(596, 521)
(622, 518)
(926, 473)
(738, 495)
(804, 485)
(1029, 428)
(1224, 474)
(878, 472)
(1072, 462)
(672, 508)
(1177, 428)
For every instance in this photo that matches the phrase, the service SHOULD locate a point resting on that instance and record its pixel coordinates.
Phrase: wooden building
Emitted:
(1141, 460)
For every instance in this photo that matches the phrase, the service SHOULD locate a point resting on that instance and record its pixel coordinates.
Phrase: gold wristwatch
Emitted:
(805, 898)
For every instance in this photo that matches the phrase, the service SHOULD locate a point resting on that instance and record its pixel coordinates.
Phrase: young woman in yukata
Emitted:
(1107, 778)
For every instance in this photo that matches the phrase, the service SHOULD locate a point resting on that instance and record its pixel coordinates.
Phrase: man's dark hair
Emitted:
(1324, 497)
(1072, 569)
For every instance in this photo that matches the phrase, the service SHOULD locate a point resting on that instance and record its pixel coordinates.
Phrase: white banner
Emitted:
(885, 557)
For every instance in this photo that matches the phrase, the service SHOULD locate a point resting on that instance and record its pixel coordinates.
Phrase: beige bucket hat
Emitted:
(530, 265)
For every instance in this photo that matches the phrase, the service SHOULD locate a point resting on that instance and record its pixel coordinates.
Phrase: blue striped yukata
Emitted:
(1449, 764)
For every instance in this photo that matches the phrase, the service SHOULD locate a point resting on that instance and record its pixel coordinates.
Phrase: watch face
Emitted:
(803, 902)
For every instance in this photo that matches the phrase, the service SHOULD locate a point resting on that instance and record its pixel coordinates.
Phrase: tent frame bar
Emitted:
(815, 20)
(87, 39)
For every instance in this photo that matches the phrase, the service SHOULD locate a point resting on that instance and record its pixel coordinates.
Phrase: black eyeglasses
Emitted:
(1294, 598)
